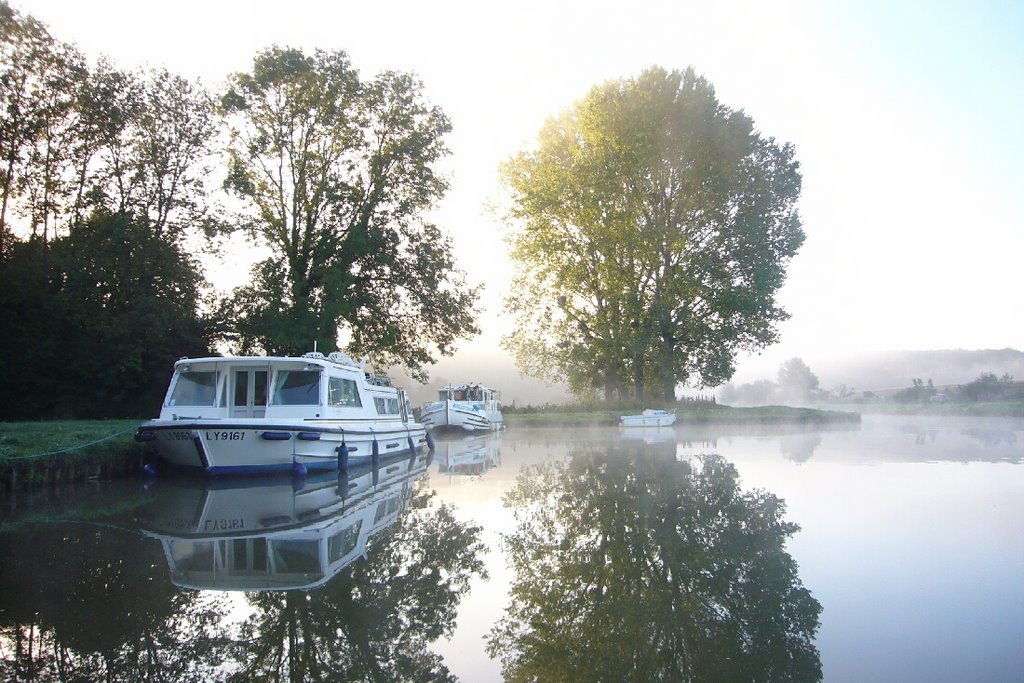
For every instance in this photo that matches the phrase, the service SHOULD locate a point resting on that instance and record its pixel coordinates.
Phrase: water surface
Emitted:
(886, 551)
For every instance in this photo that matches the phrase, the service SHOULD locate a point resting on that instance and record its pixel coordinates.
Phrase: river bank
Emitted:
(695, 414)
(34, 454)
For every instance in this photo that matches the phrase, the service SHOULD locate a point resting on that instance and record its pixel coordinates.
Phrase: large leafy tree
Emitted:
(654, 228)
(338, 173)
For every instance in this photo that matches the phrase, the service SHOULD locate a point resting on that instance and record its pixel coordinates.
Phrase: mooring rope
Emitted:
(71, 449)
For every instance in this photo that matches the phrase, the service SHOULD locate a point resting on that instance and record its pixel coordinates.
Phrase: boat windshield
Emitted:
(296, 388)
(194, 388)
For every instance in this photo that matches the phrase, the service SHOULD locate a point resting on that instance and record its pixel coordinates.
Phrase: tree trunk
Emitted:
(638, 378)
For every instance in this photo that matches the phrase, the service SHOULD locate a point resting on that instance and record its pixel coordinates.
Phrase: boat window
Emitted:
(342, 392)
(191, 556)
(260, 388)
(341, 544)
(387, 507)
(296, 388)
(194, 388)
(241, 387)
(295, 556)
(387, 406)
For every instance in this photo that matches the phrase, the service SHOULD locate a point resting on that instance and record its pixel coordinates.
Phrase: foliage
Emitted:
(654, 229)
(797, 384)
(918, 392)
(632, 565)
(988, 387)
(102, 186)
(338, 173)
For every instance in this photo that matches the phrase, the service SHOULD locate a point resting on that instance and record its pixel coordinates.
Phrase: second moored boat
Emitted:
(472, 407)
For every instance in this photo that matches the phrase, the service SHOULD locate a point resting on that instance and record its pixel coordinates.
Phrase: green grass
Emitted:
(23, 440)
(39, 453)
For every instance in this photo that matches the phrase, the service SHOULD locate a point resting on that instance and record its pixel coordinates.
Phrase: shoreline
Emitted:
(47, 453)
(703, 415)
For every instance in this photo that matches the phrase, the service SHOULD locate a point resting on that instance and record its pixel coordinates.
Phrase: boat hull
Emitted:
(459, 415)
(647, 420)
(219, 447)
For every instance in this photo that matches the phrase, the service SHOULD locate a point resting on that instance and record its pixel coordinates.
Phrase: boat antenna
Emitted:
(314, 346)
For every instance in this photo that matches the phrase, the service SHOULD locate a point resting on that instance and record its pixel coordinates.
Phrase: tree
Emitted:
(986, 387)
(39, 78)
(654, 228)
(105, 169)
(337, 173)
(918, 392)
(796, 381)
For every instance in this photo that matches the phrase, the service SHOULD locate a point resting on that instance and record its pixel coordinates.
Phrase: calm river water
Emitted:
(892, 550)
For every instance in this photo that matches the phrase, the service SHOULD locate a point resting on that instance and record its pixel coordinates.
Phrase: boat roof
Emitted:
(334, 358)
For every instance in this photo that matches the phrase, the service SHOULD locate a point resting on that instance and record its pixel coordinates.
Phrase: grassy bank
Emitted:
(695, 413)
(41, 453)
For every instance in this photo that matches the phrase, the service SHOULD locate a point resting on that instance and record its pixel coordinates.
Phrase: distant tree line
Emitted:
(109, 187)
(798, 385)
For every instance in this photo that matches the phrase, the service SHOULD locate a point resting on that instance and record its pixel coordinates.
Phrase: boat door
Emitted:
(249, 398)
(403, 405)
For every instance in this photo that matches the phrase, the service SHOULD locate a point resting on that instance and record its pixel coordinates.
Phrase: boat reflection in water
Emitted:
(650, 435)
(468, 456)
(275, 533)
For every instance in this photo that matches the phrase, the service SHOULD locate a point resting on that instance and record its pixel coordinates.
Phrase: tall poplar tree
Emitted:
(653, 230)
(337, 173)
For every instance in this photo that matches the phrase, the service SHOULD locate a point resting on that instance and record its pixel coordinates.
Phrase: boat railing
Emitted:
(378, 380)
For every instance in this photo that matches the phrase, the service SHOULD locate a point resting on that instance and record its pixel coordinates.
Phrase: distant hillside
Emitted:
(897, 369)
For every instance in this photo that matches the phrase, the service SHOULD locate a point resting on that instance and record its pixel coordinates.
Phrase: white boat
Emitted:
(253, 534)
(649, 418)
(256, 414)
(472, 407)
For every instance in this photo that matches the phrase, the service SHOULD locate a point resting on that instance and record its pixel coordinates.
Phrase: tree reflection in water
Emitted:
(375, 620)
(76, 607)
(93, 601)
(633, 565)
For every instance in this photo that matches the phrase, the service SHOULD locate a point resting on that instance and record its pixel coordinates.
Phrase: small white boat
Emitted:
(256, 414)
(264, 533)
(649, 418)
(472, 407)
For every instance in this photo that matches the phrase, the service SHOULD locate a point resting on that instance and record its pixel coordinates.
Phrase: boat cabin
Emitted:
(311, 386)
(468, 392)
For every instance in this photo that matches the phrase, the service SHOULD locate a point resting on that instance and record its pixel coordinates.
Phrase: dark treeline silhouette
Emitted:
(101, 189)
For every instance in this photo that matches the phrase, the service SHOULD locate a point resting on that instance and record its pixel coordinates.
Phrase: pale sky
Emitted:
(906, 118)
